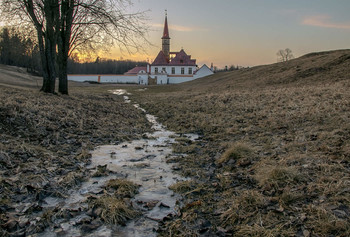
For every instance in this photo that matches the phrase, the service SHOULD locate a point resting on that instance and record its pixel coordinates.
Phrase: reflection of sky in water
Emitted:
(141, 161)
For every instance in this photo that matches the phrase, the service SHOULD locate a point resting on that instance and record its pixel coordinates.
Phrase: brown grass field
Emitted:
(273, 158)
(45, 141)
(275, 149)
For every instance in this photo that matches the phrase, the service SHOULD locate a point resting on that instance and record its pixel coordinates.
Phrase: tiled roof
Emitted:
(182, 59)
(160, 59)
(136, 70)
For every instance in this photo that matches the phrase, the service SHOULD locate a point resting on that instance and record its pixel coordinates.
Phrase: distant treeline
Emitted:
(18, 48)
(102, 66)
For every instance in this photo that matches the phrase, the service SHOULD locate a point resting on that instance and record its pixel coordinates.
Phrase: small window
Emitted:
(172, 70)
(163, 69)
(190, 70)
(182, 70)
(181, 61)
(156, 70)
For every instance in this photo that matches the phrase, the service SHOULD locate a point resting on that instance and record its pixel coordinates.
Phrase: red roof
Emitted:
(166, 30)
(160, 59)
(136, 70)
(182, 59)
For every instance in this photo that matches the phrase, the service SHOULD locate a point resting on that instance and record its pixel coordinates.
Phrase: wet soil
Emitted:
(141, 161)
(274, 155)
(44, 148)
(54, 193)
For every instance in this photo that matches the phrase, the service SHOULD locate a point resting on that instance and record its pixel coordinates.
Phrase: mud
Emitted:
(142, 161)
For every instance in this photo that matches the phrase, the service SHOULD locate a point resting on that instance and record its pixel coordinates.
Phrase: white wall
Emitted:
(119, 79)
(161, 78)
(168, 69)
(203, 72)
(143, 79)
(82, 78)
(105, 78)
(176, 80)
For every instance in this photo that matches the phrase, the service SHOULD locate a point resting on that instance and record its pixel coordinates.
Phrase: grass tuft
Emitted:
(277, 176)
(235, 152)
(113, 210)
(123, 188)
(182, 186)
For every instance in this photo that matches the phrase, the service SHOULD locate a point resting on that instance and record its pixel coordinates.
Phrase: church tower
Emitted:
(166, 38)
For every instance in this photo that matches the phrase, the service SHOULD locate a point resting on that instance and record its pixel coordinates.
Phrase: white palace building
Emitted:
(167, 68)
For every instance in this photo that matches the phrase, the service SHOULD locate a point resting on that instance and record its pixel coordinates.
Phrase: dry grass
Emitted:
(45, 141)
(277, 177)
(182, 186)
(235, 152)
(123, 188)
(113, 210)
(326, 223)
(242, 208)
(295, 117)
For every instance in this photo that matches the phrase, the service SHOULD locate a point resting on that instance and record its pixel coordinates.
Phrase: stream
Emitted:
(140, 161)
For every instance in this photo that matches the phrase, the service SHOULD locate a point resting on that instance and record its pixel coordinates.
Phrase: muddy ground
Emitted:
(275, 155)
(45, 142)
(273, 159)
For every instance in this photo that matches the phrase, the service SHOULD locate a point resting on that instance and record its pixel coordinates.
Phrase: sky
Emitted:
(244, 32)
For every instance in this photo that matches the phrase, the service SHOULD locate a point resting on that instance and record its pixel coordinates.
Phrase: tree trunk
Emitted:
(47, 85)
(67, 9)
(62, 75)
(47, 41)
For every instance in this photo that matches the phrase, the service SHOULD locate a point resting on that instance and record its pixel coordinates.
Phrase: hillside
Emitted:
(274, 158)
(322, 67)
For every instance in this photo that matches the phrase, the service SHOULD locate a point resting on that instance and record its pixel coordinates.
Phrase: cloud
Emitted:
(180, 28)
(324, 21)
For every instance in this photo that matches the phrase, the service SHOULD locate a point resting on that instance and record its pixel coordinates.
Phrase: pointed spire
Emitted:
(166, 30)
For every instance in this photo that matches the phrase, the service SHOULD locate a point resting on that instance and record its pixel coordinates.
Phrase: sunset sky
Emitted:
(246, 32)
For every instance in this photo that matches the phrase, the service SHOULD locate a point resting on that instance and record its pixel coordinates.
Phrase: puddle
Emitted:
(119, 92)
(141, 161)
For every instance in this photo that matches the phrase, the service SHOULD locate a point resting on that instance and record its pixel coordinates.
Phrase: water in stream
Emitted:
(141, 161)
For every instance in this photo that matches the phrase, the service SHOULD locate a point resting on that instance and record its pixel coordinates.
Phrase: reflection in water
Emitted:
(141, 161)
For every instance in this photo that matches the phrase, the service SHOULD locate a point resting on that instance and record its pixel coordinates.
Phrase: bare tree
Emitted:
(64, 26)
(43, 16)
(98, 24)
(284, 55)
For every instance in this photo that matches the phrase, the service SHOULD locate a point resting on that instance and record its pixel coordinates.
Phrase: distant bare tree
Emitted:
(284, 55)
(66, 25)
